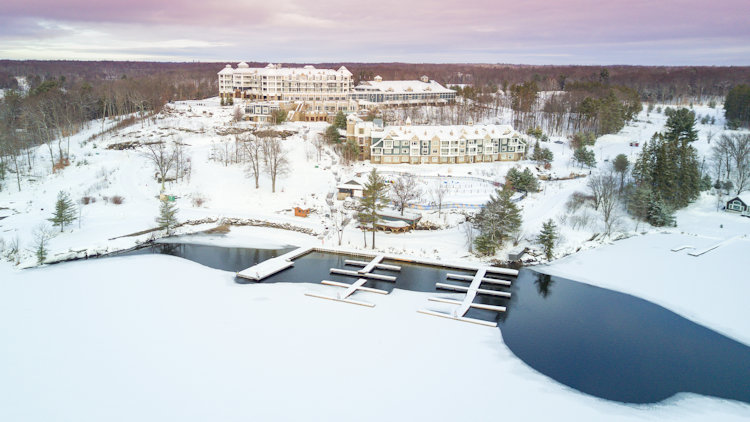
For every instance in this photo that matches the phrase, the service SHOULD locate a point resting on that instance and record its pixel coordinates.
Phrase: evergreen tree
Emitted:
(621, 166)
(584, 157)
(737, 106)
(669, 164)
(705, 183)
(332, 135)
(659, 213)
(521, 180)
(681, 126)
(42, 234)
(639, 201)
(547, 238)
(542, 155)
(374, 197)
(340, 120)
(65, 212)
(167, 218)
(497, 222)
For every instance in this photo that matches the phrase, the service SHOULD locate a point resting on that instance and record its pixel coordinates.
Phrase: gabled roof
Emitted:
(744, 197)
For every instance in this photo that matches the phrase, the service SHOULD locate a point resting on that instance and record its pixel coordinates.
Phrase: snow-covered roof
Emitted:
(276, 70)
(744, 197)
(227, 70)
(401, 87)
(393, 223)
(428, 132)
(352, 185)
(386, 212)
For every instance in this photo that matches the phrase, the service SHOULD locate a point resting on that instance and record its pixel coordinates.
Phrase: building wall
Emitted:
(446, 149)
(275, 84)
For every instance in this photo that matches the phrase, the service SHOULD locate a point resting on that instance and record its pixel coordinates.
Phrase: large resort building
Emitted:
(421, 92)
(275, 83)
(438, 144)
(326, 86)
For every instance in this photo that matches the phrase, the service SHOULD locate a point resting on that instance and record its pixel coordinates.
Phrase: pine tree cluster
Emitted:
(497, 222)
(521, 180)
(668, 164)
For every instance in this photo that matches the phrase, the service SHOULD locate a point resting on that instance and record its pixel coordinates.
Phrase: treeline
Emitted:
(667, 84)
(53, 109)
(593, 107)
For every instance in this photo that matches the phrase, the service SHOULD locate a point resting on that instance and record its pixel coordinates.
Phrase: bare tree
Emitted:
(339, 220)
(253, 152)
(604, 187)
(319, 143)
(237, 114)
(162, 157)
(438, 195)
(405, 189)
(468, 230)
(735, 148)
(277, 163)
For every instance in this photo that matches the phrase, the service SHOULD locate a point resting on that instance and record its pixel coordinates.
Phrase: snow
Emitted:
(207, 346)
(711, 289)
(160, 338)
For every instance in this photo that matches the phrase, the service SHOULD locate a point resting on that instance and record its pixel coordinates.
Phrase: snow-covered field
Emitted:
(155, 338)
(160, 338)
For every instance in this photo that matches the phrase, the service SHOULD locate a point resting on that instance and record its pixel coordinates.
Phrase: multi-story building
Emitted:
(445, 144)
(422, 92)
(360, 132)
(274, 83)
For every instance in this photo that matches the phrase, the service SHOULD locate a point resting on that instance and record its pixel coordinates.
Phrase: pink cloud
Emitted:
(562, 27)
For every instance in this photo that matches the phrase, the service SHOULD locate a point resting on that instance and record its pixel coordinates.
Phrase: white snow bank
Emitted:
(248, 237)
(154, 338)
(711, 289)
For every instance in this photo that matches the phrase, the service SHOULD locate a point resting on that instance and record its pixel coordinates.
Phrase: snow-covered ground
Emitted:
(161, 338)
(236, 352)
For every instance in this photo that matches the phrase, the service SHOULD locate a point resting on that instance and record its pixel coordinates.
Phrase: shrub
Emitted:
(576, 201)
(88, 200)
(198, 200)
(117, 199)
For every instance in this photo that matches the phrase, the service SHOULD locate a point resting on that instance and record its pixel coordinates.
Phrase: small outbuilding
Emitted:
(392, 220)
(350, 189)
(739, 204)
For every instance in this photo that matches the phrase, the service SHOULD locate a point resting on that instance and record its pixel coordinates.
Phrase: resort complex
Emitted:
(311, 94)
(435, 144)
(285, 84)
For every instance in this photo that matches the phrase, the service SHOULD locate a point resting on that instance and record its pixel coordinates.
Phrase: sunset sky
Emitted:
(665, 32)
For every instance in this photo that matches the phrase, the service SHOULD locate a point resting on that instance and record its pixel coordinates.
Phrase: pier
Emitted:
(471, 292)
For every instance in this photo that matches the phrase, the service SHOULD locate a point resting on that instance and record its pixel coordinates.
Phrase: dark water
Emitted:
(598, 341)
(220, 258)
(617, 346)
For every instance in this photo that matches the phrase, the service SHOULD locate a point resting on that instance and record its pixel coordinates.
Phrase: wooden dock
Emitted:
(272, 266)
(364, 274)
(471, 292)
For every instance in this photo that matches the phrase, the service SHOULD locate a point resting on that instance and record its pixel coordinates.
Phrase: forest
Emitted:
(51, 100)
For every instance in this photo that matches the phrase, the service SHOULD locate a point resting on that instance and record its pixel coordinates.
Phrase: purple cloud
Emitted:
(533, 31)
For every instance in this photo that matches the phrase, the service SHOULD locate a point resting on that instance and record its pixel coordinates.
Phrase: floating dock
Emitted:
(471, 292)
(358, 285)
(272, 266)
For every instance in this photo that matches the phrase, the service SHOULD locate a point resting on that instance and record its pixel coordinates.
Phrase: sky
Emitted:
(636, 32)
